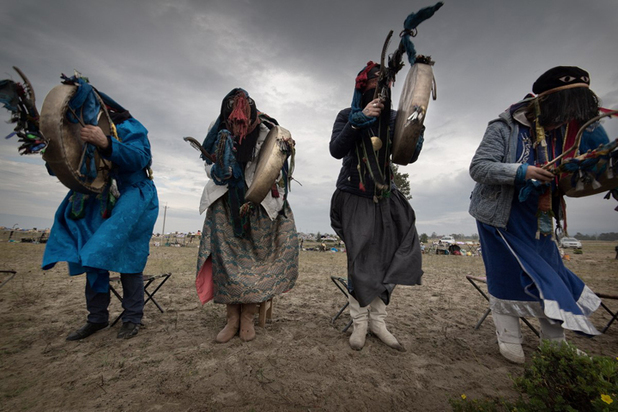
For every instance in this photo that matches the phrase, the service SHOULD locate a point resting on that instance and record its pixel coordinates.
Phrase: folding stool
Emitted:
(10, 273)
(265, 312)
(148, 280)
(614, 315)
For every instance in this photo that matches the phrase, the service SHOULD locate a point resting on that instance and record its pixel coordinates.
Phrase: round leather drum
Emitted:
(588, 182)
(273, 155)
(413, 103)
(66, 149)
(588, 173)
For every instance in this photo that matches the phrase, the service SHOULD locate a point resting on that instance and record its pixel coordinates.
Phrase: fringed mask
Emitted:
(240, 114)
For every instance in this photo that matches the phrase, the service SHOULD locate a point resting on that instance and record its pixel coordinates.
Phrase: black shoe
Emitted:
(86, 330)
(128, 330)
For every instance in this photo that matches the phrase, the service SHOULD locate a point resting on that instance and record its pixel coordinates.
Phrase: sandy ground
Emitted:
(299, 362)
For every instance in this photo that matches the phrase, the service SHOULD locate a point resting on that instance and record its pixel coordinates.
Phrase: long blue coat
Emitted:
(119, 243)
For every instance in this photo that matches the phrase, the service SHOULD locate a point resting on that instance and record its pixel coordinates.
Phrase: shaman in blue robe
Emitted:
(120, 242)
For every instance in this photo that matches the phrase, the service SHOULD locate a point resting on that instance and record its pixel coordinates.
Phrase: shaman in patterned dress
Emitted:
(248, 252)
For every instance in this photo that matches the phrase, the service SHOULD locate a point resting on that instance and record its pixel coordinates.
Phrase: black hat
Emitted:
(564, 95)
(561, 76)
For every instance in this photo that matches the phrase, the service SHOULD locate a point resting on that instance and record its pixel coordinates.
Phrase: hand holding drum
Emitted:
(65, 153)
(94, 135)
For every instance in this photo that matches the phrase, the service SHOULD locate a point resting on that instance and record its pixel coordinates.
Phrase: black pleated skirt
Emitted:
(381, 242)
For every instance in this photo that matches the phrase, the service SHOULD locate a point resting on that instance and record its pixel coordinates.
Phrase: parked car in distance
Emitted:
(566, 242)
(450, 240)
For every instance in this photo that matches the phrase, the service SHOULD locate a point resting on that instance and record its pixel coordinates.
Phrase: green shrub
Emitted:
(475, 405)
(558, 379)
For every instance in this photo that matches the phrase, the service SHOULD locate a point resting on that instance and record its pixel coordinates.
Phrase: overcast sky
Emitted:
(172, 62)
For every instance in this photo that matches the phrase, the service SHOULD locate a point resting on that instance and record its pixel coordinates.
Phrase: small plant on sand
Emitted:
(557, 379)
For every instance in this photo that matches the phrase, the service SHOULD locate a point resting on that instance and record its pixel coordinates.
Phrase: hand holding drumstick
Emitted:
(374, 108)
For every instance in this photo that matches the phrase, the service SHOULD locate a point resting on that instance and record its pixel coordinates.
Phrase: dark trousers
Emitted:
(132, 300)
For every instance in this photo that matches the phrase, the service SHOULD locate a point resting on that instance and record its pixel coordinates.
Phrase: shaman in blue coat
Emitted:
(96, 245)
(515, 202)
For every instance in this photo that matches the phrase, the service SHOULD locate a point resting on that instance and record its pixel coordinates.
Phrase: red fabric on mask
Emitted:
(361, 79)
(240, 117)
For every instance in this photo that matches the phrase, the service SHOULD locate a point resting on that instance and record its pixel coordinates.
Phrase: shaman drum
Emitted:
(419, 84)
(66, 150)
(594, 172)
(589, 173)
(273, 154)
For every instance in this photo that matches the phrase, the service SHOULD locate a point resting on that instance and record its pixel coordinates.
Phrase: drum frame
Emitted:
(65, 152)
(410, 118)
(565, 181)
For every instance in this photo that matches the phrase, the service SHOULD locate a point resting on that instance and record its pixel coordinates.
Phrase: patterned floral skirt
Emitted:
(252, 269)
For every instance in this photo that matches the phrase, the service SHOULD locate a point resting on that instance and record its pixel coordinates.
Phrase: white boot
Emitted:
(377, 326)
(508, 331)
(554, 333)
(551, 331)
(359, 321)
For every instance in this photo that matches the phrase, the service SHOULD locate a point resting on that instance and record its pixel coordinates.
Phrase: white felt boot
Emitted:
(377, 326)
(551, 331)
(360, 318)
(508, 331)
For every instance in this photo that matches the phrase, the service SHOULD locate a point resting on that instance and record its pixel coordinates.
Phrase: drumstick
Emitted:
(81, 122)
(197, 146)
(85, 146)
(383, 72)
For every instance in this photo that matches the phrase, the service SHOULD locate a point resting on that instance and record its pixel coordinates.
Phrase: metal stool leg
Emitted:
(150, 296)
(343, 287)
(471, 279)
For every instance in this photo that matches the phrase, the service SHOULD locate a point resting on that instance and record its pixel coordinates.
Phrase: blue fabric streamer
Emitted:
(531, 185)
(411, 22)
(226, 169)
(593, 137)
(419, 146)
(8, 95)
(84, 102)
(211, 139)
(88, 167)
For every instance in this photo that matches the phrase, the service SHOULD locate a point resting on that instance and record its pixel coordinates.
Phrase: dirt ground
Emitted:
(299, 362)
